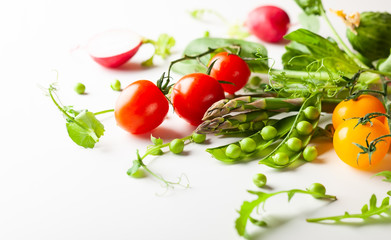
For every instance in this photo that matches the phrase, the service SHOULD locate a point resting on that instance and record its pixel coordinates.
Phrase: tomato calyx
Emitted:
(367, 118)
(164, 84)
(370, 147)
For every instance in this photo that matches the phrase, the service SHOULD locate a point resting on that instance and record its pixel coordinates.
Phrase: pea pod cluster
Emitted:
(245, 152)
(300, 134)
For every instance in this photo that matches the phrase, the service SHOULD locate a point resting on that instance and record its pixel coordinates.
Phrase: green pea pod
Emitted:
(283, 149)
(283, 126)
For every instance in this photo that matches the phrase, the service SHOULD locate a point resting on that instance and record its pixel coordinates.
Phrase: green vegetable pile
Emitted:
(276, 120)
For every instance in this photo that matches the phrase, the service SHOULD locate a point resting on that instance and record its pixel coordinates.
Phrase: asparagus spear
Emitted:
(227, 122)
(249, 103)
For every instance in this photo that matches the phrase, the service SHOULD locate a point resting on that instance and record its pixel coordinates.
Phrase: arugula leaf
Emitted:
(85, 130)
(371, 213)
(311, 7)
(386, 175)
(255, 54)
(248, 208)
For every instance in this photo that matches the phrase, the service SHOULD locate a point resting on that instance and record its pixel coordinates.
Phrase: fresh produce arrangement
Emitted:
(273, 121)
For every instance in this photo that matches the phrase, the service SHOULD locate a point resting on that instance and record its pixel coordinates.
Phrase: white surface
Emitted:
(53, 189)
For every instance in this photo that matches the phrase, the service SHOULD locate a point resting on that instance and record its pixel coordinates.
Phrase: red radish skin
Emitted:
(268, 23)
(114, 48)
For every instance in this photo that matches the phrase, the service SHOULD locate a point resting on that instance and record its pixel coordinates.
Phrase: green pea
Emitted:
(176, 146)
(310, 153)
(233, 151)
(281, 158)
(317, 188)
(80, 88)
(268, 132)
(304, 128)
(258, 125)
(255, 80)
(248, 144)
(294, 144)
(198, 138)
(259, 180)
(116, 85)
(311, 113)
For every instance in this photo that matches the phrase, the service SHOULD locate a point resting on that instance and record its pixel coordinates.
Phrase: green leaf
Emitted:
(247, 50)
(364, 209)
(372, 202)
(324, 50)
(309, 22)
(258, 223)
(371, 214)
(248, 208)
(384, 65)
(85, 130)
(385, 202)
(386, 175)
(156, 141)
(297, 57)
(311, 7)
(163, 45)
(135, 167)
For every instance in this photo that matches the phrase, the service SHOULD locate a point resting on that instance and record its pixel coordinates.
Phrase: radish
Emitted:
(113, 48)
(268, 23)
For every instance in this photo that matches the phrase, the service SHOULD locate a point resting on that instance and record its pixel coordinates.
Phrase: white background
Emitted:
(50, 188)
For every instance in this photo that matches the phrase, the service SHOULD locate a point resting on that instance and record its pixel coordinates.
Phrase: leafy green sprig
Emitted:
(175, 146)
(83, 127)
(162, 46)
(247, 209)
(369, 214)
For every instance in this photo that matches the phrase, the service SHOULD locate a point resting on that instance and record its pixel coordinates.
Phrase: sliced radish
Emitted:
(113, 48)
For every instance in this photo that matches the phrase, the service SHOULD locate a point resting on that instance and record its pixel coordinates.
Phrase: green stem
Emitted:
(341, 217)
(301, 74)
(105, 111)
(378, 72)
(187, 57)
(63, 111)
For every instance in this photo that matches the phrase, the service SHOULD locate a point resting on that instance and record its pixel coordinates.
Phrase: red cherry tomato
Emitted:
(230, 68)
(193, 94)
(141, 107)
(268, 23)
